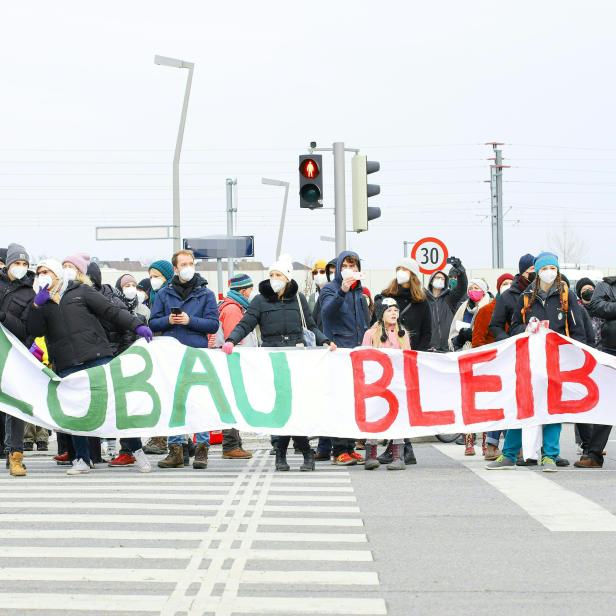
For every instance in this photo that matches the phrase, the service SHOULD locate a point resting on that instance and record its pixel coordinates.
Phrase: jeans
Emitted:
(180, 439)
(130, 445)
(80, 443)
(325, 445)
(551, 442)
(493, 438)
(14, 434)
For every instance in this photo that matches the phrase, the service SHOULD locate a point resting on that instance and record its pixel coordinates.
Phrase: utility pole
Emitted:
(230, 211)
(496, 199)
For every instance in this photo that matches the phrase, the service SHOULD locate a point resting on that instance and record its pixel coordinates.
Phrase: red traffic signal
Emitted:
(309, 168)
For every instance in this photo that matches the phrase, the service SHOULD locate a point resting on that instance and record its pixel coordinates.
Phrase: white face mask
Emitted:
(403, 276)
(130, 292)
(548, 276)
(141, 296)
(186, 273)
(347, 273)
(69, 274)
(156, 283)
(504, 287)
(438, 283)
(320, 280)
(18, 271)
(277, 285)
(44, 280)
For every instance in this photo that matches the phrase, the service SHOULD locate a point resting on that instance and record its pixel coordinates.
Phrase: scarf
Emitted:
(239, 298)
(131, 304)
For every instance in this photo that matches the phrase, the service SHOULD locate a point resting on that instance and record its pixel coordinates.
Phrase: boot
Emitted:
(386, 457)
(201, 452)
(484, 436)
(281, 460)
(308, 464)
(372, 462)
(157, 446)
(186, 454)
(398, 460)
(16, 466)
(469, 442)
(174, 458)
(409, 454)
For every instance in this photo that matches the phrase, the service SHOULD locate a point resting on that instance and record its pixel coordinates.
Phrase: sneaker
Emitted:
(358, 457)
(502, 463)
(79, 468)
(28, 446)
(548, 465)
(344, 459)
(124, 459)
(62, 457)
(41, 446)
(141, 461)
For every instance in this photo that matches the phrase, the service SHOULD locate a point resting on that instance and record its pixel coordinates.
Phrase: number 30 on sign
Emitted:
(431, 254)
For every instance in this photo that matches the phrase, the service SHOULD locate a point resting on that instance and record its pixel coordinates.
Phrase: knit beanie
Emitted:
(383, 305)
(145, 285)
(284, 265)
(501, 279)
(526, 261)
(81, 260)
(16, 252)
(409, 264)
(124, 280)
(321, 264)
(51, 264)
(480, 282)
(164, 267)
(581, 283)
(546, 258)
(239, 282)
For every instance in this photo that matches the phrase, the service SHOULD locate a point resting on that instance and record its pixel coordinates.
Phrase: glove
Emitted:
(36, 350)
(456, 264)
(465, 335)
(42, 297)
(227, 348)
(2, 316)
(143, 331)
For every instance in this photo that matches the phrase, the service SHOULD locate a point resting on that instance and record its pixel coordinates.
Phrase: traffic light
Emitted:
(310, 181)
(362, 212)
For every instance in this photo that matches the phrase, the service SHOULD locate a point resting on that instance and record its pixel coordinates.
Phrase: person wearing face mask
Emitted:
(16, 294)
(68, 312)
(143, 292)
(319, 277)
(185, 309)
(547, 298)
(443, 302)
(584, 289)
(3, 252)
(280, 310)
(461, 332)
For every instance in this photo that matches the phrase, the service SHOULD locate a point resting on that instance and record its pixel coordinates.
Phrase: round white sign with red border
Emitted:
(431, 254)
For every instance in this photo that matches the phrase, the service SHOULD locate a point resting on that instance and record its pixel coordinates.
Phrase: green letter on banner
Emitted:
(20, 405)
(138, 382)
(188, 378)
(95, 417)
(279, 415)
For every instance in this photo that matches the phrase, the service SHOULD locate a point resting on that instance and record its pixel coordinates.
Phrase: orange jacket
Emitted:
(481, 326)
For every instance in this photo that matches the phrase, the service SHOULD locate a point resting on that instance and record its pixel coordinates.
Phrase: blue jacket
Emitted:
(345, 315)
(200, 306)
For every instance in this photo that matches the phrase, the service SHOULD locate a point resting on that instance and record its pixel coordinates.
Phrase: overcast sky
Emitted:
(88, 122)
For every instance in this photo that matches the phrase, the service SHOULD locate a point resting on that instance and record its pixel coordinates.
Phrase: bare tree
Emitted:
(568, 244)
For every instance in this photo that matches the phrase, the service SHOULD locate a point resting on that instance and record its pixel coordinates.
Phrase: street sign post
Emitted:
(431, 254)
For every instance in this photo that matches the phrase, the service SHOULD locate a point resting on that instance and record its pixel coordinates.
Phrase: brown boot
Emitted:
(16, 464)
(201, 452)
(157, 445)
(174, 459)
(584, 462)
(492, 452)
(236, 454)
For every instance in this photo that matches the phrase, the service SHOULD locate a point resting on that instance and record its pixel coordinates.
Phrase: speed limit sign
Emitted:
(431, 254)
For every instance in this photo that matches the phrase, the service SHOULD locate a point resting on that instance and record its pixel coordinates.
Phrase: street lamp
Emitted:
(173, 62)
(284, 208)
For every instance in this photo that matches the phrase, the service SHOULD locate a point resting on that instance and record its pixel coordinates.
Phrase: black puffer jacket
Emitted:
(279, 319)
(415, 317)
(506, 305)
(603, 306)
(442, 309)
(73, 329)
(15, 299)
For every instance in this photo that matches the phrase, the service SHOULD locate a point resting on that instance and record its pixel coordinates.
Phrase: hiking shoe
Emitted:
(548, 465)
(16, 464)
(587, 462)
(236, 454)
(141, 461)
(344, 459)
(79, 468)
(201, 453)
(157, 446)
(502, 463)
(29, 446)
(124, 459)
(492, 453)
(174, 459)
(527, 462)
(357, 457)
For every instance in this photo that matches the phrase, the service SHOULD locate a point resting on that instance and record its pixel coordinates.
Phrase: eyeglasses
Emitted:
(315, 272)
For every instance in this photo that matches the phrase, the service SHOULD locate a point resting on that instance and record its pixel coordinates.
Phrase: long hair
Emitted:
(560, 285)
(378, 335)
(417, 291)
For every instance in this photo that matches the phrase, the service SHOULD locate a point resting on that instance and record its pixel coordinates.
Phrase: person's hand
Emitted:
(330, 345)
(143, 331)
(227, 348)
(42, 297)
(347, 283)
(456, 264)
(179, 319)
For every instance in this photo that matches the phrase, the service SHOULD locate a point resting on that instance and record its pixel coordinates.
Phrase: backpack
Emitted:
(564, 300)
(215, 341)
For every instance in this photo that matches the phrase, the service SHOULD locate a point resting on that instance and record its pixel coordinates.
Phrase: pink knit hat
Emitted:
(81, 260)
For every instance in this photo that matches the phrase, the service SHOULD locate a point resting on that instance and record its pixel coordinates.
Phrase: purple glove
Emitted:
(36, 350)
(227, 348)
(42, 297)
(143, 331)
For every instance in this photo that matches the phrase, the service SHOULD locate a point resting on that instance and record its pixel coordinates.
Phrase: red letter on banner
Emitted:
(556, 378)
(524, 394)
(473, 384)
(417, 416)
(378, 389)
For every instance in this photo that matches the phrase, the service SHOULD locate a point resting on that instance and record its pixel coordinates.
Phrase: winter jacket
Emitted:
(470, 312)
(603, 306)
(73, 328)
(415, 317)
(506, 305)
(548, 309)
(345, 315)
(15, 299)
(279, 318)
(442, 308)
(481, 327)
(200, 305)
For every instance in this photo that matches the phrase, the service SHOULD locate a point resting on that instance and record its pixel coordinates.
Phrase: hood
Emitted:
(94, 273)
(340, 259)
(446, 281)
(265, 289)
(610, 280)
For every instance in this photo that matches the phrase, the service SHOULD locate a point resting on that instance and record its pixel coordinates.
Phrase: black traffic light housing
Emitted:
(310, 181)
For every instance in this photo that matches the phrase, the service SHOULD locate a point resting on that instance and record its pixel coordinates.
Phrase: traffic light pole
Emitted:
(230, 211)
(339, 197)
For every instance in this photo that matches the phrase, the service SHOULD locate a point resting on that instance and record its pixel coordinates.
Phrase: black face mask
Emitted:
(587, 295)
(532, 276)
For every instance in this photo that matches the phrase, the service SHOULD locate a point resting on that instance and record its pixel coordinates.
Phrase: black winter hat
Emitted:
(525, 262)
(145, 285)
(581, 283)
(383, 305)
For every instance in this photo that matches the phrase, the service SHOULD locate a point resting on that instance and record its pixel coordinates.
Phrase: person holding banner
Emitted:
(280, 311)
(68, 312)
(549, 299)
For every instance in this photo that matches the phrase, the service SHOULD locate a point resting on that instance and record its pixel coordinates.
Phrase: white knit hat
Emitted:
(480, 282)
(52, 264)
(284, 265)
(409, 264)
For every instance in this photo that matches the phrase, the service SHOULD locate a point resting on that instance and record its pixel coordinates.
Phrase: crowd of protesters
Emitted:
(71, 321)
